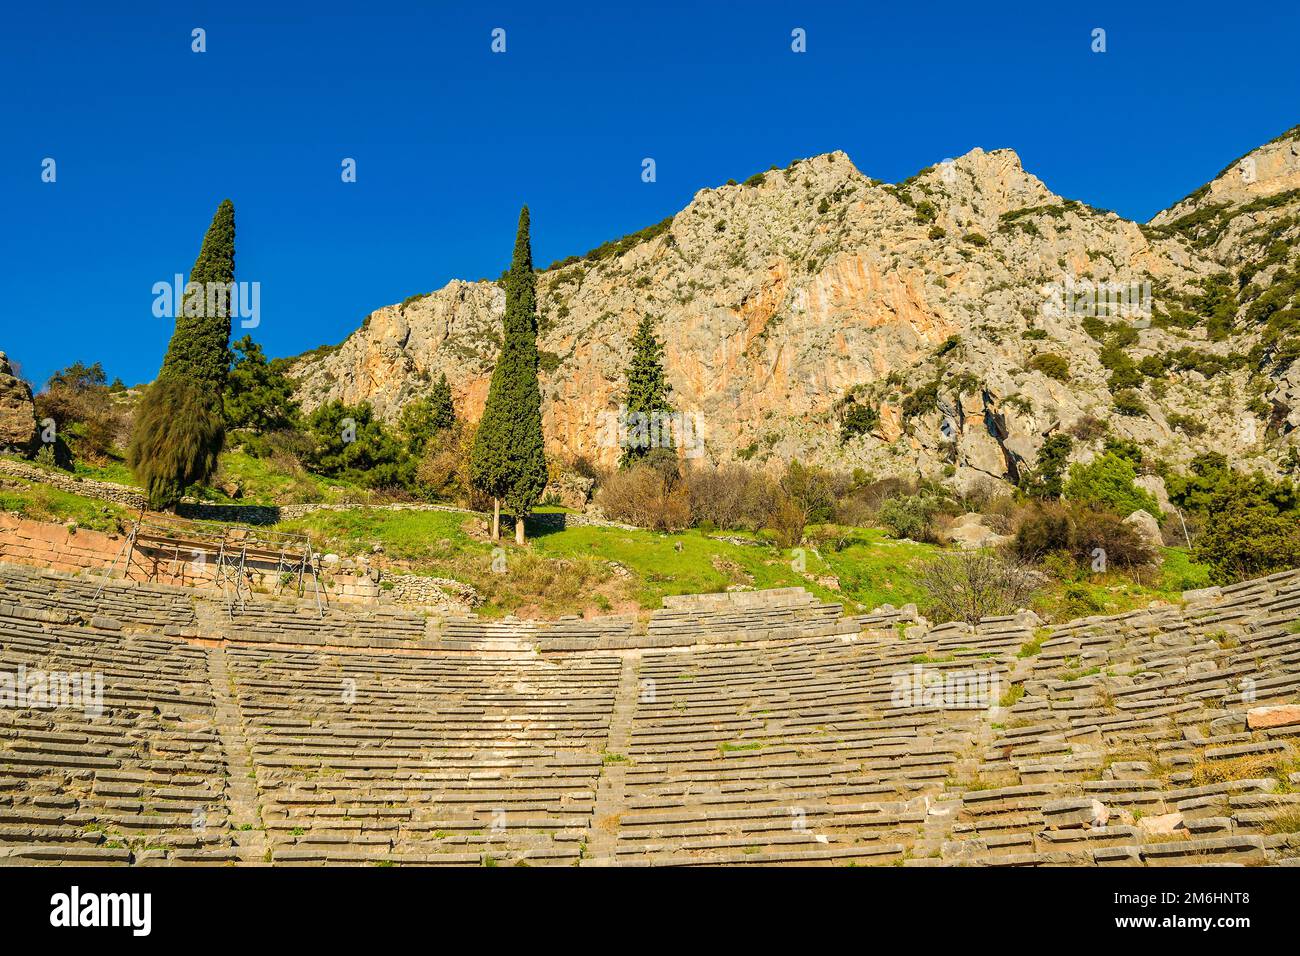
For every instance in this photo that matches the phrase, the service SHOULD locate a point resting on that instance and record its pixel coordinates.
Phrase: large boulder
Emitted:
(1154, 485)
(17, 411)
(571, 490)
(969, 532)
(1146, 526)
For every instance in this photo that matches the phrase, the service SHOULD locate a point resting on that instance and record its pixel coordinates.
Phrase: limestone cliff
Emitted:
(783, 299)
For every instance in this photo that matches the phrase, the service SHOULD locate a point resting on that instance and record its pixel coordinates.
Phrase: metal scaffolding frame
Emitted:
(230, 550)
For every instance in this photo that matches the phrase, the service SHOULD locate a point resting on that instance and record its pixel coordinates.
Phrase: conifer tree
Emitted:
(442, 413)
(423, 418)
(259, 393)
(179, 428)
(646, 402)
(508, 460)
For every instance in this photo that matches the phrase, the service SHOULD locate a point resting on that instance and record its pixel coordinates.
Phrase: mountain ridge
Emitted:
(783, 299)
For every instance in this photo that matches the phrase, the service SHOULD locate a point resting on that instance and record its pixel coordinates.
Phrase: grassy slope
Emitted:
(597, 570)
(570, 571)
(44, 503)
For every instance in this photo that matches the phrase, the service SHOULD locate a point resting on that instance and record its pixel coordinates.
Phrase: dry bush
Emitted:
(787, 520)
(1002, 514)
(970, 585)
(1079, 530)
(87, 415)
(730, 497)
(441, 465)
(1088, 428)
(647, 497)
(983, 495)
(717, 495)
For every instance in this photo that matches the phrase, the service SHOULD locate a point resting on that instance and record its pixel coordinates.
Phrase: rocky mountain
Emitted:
(17, 411)
(944, 325)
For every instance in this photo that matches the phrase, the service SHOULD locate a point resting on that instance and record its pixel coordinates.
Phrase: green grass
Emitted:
(406, 535)
(114, 471)
(262, 481)
(1181, 573)
(1012, 695)
(1116, 592)
(44, 503)
(874, 569)
(573, 571)
(570, 571)
(703, 565)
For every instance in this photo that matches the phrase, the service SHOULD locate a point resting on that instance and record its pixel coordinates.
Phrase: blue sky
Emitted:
(450, 138)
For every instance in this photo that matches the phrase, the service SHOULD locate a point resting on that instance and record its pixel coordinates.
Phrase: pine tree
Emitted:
(259, 394)
(179, 429)
(424, 418)
(508, 460)
(646, 403)
(443, 411)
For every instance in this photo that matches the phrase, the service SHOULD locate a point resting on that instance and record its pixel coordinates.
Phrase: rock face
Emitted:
(783, 300)
(1146, 526)
(969, 532)
(17, 411)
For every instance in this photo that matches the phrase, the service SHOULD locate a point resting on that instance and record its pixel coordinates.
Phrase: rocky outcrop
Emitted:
(17, 411)
(1147, 527)
(931, 301)
(969, 532)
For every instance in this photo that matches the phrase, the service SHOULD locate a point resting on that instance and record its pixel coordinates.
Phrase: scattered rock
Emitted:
(1281, 715)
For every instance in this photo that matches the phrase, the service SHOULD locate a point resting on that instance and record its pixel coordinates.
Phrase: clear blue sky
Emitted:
(450, 139)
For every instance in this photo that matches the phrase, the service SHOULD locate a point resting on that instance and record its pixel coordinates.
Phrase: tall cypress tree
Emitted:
(647, 395)
(179, 428)
(508, 460)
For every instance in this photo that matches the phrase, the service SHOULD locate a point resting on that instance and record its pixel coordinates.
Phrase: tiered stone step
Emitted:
(133, 773)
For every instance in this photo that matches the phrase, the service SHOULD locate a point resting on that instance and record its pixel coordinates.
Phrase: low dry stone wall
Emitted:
(86, 487)
(420, 591)
(236, 514)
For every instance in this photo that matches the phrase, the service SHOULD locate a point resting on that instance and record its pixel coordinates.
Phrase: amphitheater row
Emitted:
(754, 728)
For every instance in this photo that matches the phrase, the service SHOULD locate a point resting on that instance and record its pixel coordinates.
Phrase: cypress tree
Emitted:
(646, 403)
(508, 460)
(442, 412)
(179, 428)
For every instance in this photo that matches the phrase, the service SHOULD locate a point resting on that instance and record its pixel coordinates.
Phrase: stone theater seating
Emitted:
(742, 728)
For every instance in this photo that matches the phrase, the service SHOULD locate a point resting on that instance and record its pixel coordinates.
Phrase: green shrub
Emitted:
(911, 516)
(348, 442)
(1129, 402)
(1052, 365)
(1045, 479)
(858, 420)
(1108, 481)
